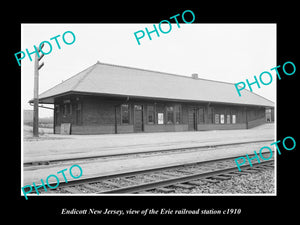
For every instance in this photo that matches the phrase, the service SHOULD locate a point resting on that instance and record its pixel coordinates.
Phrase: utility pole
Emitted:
(36, 92)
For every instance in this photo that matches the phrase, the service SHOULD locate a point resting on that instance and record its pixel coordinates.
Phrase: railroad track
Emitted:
(142, 153)
(163, 180)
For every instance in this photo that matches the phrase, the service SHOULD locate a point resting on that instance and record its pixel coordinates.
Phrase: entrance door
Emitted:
(192, 118)
(138, 118)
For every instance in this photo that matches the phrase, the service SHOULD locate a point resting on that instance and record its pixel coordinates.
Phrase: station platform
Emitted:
(63, 147)
(57, 147)
(116, 165)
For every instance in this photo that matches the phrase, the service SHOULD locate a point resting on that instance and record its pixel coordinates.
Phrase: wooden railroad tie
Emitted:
(111, 183)
(242, 173)
(165, 190)
(185, 186)
(195, 183)
(210, 180)
(223, 177)
(71, 189)
(90, 187)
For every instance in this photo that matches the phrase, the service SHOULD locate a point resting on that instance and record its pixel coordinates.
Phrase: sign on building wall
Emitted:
(65, 128)
(160, 118)
(222, 118)
(233, 119)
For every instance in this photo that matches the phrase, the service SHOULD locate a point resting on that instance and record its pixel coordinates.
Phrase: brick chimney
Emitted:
(195, 75)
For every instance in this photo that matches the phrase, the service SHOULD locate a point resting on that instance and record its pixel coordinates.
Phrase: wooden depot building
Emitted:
(107, 98)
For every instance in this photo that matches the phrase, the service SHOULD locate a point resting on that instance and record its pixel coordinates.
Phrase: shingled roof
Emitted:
(115, 80)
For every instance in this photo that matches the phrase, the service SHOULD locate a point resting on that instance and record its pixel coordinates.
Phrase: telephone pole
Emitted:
(36, 92)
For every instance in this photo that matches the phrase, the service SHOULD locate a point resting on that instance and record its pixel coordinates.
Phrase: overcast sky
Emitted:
(223, 52)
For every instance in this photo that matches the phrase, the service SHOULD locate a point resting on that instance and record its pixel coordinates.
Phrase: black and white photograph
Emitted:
(184, 113)
(152, 113)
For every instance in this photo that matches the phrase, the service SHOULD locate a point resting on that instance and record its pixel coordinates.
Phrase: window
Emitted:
(228, 119)
(66, 109)
(78, 113)
(216, 118)
(170, 114)
(63, 110)
(56, 108)
(233, 119)
(177, 114)
(125, 114)
(150, 114)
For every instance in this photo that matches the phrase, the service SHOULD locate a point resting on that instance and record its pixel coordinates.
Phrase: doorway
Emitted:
(192, 119)
(138, 118)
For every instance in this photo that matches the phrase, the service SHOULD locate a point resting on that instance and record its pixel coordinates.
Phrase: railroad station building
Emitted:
(106, 98)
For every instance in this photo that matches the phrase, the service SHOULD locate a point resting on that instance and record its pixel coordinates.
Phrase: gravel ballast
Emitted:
(262, 182)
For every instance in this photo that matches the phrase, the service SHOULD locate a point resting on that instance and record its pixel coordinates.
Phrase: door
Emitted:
(192, 118)
(138, 118)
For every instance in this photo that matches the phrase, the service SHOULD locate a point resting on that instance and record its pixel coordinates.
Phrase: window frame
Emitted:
(228, 119)
(152, 113)
(78, 113)
(217, 118)
(122, 114)
(167, 114)
(177, 112)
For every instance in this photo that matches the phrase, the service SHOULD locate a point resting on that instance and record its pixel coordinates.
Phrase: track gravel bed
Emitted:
(261, 182)
(251, 181)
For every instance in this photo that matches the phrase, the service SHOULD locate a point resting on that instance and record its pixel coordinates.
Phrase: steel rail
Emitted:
(47, 162)
(138, 172)
(146, 186)
(177, 180)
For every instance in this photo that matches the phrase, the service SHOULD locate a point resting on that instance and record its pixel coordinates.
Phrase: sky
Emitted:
(222, 52)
